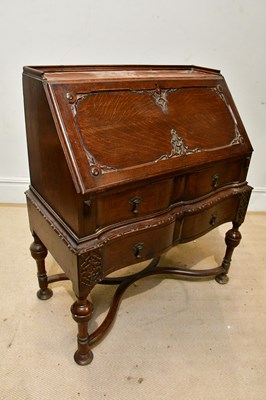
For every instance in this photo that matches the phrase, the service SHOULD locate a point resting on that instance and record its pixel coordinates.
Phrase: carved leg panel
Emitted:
(39, 252)
(81, 312)
(232, 240)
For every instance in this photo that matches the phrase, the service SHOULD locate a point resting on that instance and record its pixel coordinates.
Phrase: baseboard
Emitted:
(12, 191)
(258, 199)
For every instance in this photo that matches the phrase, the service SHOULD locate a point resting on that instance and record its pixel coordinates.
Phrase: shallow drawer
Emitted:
(210, 179)
(136, 247)
(124, 205)
(197, 224)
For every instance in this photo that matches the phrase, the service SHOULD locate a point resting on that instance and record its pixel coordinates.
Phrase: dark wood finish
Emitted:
(125, 162)
(129, 204)
(81, 312)
(39, 252)
(232, 240)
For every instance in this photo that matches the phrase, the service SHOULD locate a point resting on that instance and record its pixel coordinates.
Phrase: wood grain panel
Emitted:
(201, 117)
(122, 129)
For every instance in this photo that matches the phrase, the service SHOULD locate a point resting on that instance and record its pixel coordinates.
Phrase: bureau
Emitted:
(126, 162)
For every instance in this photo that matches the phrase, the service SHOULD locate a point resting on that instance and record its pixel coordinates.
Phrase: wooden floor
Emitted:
(172, 339)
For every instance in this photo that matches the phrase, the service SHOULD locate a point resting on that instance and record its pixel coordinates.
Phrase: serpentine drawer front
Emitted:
(210, 179)
(201, 222)
(147, 243)
(135, 203)
(126, 162)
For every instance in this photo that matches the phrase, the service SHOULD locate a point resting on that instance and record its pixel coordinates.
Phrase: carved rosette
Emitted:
(90, 267)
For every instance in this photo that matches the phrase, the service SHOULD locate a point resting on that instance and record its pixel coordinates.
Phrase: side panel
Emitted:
(49, 172)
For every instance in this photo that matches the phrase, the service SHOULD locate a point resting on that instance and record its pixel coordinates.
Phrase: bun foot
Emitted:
(83, 359)
(44, 294)
(222, 279)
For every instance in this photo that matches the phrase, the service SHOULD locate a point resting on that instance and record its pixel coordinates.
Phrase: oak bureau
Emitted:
(126, 162)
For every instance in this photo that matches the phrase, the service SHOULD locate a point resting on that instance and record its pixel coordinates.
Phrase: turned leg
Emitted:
(232, 240)
(39, 252)
(81, 312)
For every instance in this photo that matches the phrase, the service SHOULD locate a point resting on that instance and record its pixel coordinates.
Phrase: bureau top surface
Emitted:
(119, 124)
(115, 72)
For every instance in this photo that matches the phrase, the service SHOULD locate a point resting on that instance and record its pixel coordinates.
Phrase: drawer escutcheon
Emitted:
(135, 203)
(215, 181)
(213, 219)
(137, 250)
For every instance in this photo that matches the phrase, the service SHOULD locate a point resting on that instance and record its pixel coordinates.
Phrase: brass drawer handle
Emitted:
(213, 219)
(137, 250)
(135, 203)
(215, 181)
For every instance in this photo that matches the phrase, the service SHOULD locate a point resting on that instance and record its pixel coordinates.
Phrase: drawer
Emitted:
(210, 179)
(197, 224)
(136, 247)
(134, 203)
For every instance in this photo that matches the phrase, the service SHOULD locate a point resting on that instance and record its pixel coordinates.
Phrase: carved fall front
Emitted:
(109, 122)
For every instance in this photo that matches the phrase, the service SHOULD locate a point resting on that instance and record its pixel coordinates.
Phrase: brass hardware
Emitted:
(215, 181)
(213, 219)
(137, 250)
(95, 171)
(71, 97)
(135, 202)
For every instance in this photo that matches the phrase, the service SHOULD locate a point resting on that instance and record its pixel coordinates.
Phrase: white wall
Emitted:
(225, 34)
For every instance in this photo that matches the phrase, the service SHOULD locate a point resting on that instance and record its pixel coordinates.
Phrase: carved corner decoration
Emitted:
(95, 167)
(90, 267)
(242, 206)
(160, 97)
(238, 139)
